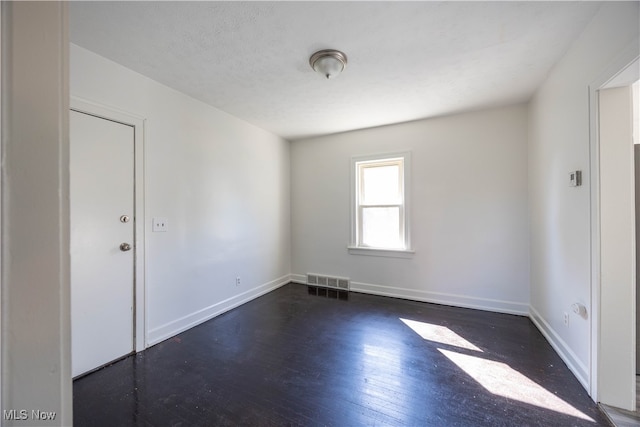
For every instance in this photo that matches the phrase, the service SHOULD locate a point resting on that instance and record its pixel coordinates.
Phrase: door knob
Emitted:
(125, 247)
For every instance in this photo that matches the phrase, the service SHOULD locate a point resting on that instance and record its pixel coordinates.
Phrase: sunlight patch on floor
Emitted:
(439, 333)
(499, 378)
(382, 376)
(381, 362)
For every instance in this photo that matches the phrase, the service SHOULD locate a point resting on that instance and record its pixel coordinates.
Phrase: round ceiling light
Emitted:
(328, 62)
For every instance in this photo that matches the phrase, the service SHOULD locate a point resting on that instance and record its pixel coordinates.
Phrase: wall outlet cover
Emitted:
(160, 224)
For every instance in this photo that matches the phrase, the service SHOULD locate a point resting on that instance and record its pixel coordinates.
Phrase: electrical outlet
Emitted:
(238, 281)
(566, 319)
(160, 224)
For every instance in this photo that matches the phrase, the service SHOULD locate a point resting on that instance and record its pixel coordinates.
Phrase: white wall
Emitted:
(36, 369)
(560, 215)
(468, 215)
(222, 183)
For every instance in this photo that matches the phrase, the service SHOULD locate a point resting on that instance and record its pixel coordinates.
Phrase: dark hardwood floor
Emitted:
(293, 358)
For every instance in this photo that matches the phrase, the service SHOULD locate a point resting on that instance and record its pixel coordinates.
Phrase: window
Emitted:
(379, 216)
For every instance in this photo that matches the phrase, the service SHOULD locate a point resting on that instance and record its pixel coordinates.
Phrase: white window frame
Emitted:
(355, 248)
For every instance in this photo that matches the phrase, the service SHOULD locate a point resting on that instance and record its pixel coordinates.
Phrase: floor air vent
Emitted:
(328, 286)
(333, 282)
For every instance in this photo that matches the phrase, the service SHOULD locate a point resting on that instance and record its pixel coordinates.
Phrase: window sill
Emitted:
(389, 253)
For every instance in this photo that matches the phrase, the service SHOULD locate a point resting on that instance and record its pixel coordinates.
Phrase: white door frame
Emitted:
(137, 122)
(622, 61)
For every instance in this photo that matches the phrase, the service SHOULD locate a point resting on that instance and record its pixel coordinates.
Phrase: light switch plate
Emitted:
(160, 224)
(575, 178)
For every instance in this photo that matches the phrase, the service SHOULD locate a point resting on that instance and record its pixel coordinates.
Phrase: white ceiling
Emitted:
(407, 60)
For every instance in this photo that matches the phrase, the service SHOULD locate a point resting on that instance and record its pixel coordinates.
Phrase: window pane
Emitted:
(381, 185)
(381, 227)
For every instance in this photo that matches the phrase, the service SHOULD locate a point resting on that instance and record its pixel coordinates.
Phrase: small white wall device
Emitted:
(575, 178)
(160, 224)
(579, 309)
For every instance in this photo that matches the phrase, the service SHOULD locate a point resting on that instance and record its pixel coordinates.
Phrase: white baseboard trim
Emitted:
(499, 306)
(574, 364)
(299, 278)
(174, 327)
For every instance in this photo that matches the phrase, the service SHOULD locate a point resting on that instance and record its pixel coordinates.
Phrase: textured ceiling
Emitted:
(407, 60)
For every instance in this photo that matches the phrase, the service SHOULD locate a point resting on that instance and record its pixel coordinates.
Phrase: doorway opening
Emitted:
(620, 149)
(613, 313)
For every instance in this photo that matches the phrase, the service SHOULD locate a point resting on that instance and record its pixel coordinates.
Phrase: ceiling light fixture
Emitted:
(328, 62)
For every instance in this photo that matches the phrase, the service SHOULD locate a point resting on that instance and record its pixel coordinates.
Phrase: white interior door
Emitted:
(102, 219)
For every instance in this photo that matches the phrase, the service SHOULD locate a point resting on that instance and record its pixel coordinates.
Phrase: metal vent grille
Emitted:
(342, 283)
